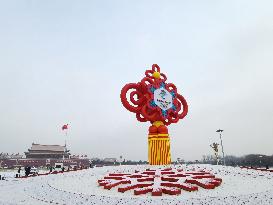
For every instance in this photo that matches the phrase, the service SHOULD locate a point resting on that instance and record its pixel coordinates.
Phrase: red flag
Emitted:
(65, 127)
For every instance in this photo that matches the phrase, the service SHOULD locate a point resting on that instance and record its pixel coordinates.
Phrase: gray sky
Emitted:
(66, 62)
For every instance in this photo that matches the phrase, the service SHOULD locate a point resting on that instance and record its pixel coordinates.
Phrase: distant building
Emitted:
(95, 159)
(110, 160)
(3, 155)
(38, 151)
(16, 156)
(10, 156)
(78, 157)
(43, 156)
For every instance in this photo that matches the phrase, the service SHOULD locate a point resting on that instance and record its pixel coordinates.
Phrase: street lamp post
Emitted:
(178, 160)
(120, 160)
(220, 132)
(260, 160)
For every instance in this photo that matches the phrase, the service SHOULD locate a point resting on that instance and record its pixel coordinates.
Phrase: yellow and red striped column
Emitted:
(159, 144)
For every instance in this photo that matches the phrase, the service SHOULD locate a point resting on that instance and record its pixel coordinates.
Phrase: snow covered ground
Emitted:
(239, 186)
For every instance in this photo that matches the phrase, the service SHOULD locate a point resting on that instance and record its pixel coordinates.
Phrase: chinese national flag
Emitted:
(65, 127)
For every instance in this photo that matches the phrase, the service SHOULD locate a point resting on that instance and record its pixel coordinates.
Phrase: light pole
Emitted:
(220, 132)
(120, 160)
(260, 160)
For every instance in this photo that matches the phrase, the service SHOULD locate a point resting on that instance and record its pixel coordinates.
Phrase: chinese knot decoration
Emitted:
(166, 181)
(154, 100)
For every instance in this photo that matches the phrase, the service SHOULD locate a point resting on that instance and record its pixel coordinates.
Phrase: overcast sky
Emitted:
(66, 62)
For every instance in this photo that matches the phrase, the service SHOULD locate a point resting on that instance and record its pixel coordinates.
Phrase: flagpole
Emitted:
(65, 128)
(65, 141)
(65, 138)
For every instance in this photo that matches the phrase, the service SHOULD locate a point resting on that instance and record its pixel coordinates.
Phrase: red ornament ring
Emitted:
(152, 99)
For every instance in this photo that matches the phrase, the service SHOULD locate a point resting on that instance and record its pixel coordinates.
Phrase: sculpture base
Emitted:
(159, 149)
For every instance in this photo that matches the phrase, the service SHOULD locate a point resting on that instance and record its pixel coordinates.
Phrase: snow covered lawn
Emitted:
(239, 186)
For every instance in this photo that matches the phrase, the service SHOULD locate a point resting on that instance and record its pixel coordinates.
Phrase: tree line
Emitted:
(255, 160)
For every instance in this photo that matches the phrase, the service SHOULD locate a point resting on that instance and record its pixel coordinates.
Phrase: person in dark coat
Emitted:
(27, 170)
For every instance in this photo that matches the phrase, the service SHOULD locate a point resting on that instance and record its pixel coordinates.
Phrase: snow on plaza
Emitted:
(239, 186)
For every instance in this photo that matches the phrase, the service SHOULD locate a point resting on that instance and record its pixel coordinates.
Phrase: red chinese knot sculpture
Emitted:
(142, 100)
(154, 100)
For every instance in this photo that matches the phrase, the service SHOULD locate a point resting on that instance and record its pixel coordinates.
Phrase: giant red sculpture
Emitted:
(154, 100)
